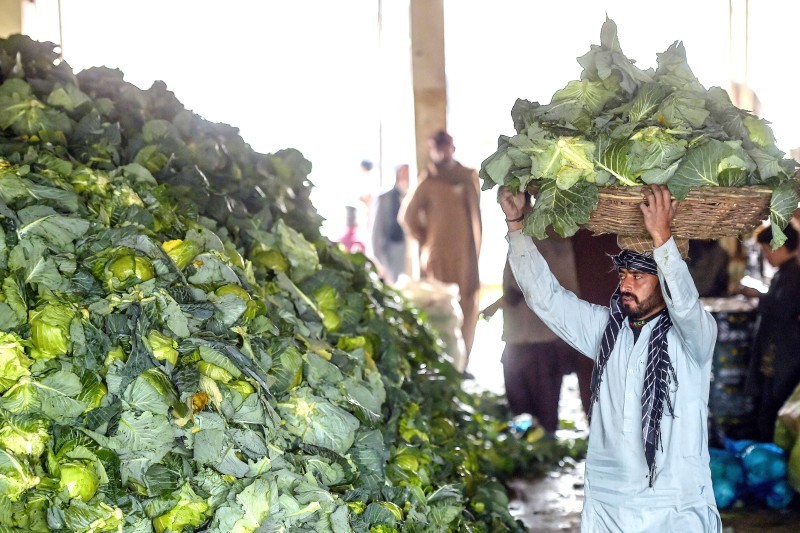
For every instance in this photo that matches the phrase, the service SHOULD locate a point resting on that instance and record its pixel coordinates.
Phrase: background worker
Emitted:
(443, 215)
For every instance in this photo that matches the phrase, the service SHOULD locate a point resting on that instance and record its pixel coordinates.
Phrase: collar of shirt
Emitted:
(637, 325)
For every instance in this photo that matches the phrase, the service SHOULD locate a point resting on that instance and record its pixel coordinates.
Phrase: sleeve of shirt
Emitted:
(695, 326)
(579, 323)
(411, 215)
(477, 211)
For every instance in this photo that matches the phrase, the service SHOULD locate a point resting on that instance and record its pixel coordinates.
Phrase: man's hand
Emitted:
(659, 210)
(491, 309)
(748, 292)
(513, 206)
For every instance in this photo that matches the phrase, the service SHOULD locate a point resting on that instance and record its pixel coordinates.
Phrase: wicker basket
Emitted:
(705, 213)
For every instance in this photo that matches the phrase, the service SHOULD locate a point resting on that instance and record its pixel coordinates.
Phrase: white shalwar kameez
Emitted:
(618, 497)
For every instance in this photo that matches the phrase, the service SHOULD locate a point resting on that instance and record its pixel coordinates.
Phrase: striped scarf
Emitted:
(659, 373)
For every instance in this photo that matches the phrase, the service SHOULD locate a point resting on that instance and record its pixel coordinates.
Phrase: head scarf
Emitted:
(635, 261)
(659, 373)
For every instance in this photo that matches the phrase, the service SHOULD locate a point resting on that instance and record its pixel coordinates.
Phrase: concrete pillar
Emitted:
(428, 77)
(10, 17)
(742, 95)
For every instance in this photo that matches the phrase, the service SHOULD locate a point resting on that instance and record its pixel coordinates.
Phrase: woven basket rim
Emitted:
(625, 191)
(707, 212)
(630, 190)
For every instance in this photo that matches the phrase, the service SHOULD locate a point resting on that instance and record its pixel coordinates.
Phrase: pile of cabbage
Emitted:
(787, 436)
(181, 350)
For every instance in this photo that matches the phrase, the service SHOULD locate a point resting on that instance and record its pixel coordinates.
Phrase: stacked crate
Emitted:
(731, 411)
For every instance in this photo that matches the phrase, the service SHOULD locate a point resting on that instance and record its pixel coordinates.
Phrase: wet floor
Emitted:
(552, 503)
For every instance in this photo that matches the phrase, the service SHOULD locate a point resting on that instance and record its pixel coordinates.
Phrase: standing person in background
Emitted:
(362, 197)
(388, 237)
(774, 369)
(594, 286)
(443, 214)
(708, 265)
(365, 184)
(351, 240)
(534, 359)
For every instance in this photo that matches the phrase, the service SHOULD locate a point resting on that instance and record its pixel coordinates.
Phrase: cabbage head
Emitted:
(24, 435)
(79, 478)
(13, 362)
(328, 303)
(94, 518)
(127, 268)
(15, 476)
(50, 329)
(189, 512)
(164, 348)
(760, 132)
(317, 421)
(181, 252)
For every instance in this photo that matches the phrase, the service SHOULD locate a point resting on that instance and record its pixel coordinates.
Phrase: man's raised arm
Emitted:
(697, 328)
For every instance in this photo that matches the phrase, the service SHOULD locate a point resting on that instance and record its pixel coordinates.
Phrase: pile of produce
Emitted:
(787, 436)
(180, 349)
(621, 125)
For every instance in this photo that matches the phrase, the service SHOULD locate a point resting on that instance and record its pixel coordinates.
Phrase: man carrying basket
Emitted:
(647, 468)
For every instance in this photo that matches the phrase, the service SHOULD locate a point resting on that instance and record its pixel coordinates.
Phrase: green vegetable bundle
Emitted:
(620, 125)
(181, 350)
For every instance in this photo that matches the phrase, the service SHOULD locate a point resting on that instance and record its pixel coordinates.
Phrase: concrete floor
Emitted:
(549, 504)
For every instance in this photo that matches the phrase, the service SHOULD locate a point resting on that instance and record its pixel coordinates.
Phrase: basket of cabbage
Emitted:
(587, 155)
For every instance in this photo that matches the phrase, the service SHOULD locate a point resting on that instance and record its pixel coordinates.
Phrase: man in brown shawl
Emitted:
(443, 214)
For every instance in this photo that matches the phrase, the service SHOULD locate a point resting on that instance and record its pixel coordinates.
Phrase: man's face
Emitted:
(401, 178)
(441, 153)
(640, 294)
(776, 257)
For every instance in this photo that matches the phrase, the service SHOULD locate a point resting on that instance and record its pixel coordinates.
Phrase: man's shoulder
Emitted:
(424, 183)
(388, 193)
(464, 169)
(790, 277)
(793, 266)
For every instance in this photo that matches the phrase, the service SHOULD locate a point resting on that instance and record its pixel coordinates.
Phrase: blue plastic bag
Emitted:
(780, 495)
(725, 492)
(737, 446)
(763, 463)
(725, 464)
(727, 476)
(752, 471)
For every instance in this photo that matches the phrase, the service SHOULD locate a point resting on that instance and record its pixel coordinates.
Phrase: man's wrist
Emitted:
(661, 239)
(514, 226)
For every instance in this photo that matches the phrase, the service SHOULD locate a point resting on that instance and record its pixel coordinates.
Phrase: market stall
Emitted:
(731, 409)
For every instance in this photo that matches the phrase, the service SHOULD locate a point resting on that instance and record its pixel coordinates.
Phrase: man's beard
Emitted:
(652, 302)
